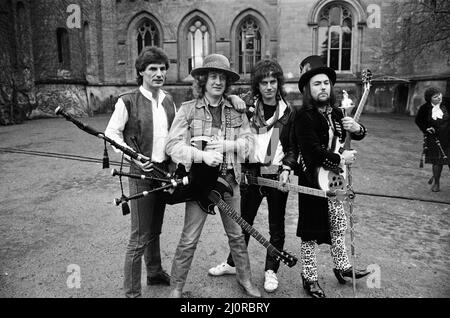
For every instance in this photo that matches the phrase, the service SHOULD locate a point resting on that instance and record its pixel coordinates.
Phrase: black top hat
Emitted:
(313, 65)
(216, 62)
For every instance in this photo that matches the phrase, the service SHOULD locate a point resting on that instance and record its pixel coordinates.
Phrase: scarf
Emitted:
(436, 112)
(259, 120)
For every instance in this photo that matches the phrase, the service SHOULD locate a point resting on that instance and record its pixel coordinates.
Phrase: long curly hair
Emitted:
(266, 68)
(199, 85)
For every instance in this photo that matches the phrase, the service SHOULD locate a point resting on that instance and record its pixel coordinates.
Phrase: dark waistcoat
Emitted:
(140, 119)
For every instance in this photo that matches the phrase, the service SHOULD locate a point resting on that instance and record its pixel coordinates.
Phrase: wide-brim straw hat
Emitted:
(313, 65)
(216, 62)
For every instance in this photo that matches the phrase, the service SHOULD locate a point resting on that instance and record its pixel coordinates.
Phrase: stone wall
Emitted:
(120, 52)
(103, 50)
(17, 90)
(70, 97)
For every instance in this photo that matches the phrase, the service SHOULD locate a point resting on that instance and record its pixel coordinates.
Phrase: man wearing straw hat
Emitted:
(210, 116)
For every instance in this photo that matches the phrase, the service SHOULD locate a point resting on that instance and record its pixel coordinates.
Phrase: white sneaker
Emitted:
(271, 281)
(222, 269)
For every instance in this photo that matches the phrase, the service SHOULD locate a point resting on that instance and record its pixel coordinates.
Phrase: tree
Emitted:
(418, 28)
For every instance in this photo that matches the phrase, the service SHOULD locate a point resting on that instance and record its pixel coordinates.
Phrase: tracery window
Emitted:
(147, 35)
(198, 44)
(335, 37)
(249, 39)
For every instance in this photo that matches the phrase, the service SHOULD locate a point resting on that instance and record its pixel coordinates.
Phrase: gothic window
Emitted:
(249, 39)
(63, 47)
(87, 43)
(335, 37)
(22, 34)
(147, 35)
(198, 44)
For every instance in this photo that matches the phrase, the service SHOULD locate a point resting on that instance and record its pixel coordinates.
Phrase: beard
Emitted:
(321, 103)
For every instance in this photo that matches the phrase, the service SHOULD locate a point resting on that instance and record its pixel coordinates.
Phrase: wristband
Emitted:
(286, 168)
(361, 130)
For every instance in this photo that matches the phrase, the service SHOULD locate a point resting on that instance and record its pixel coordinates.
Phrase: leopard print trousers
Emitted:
(338, 226)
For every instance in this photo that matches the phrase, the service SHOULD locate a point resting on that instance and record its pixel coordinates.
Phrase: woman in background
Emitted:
(433, 119)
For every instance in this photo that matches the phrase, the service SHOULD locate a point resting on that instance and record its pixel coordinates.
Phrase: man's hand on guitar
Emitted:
(349, 156)
(212, 158)
(350, 125)
(284, 178)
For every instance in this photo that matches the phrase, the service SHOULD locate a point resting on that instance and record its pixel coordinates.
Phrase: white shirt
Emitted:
(119, 118)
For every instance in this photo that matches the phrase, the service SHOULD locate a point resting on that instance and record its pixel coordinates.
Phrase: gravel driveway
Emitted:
(57, 215)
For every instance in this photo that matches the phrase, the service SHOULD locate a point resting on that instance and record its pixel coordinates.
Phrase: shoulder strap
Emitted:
(228, 136)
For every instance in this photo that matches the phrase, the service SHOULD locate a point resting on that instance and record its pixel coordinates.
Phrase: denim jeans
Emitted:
(276, 201)
(194, 220)
(147, 215)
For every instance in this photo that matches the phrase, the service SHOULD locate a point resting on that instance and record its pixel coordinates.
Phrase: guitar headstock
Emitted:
(286, 257)
(366, 78)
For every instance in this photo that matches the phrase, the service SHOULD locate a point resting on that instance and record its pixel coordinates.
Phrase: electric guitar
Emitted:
(339, 194)
(207, 187)
(216, 198)
(336, 180)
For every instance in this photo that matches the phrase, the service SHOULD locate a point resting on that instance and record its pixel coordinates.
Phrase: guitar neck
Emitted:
(362, 102)
(227, 209)
(358, 113)
(291, 187)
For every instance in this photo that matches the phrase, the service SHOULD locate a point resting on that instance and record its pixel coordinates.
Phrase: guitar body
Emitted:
(331, 180)
(207, 187)
(221, 186)
(202, 180)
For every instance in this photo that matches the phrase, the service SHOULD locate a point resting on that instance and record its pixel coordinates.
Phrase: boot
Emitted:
(250, 289)
(435, 186)
(161, 278)
(313, 288)
(176, 293)
(340, 274)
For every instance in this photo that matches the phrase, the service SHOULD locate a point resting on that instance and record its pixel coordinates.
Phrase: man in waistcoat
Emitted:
(141, 121)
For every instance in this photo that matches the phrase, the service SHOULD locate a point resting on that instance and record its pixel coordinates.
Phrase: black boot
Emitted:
(160, 278)
(313, 288)
(340, 274)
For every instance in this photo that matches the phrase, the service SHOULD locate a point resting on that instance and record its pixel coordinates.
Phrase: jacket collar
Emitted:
(202, 102)
(287, 110)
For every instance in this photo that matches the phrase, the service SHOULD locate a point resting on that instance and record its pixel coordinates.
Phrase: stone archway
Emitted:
(400, 100)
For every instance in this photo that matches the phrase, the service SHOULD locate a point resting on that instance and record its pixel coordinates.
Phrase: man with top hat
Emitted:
(269, 114)
(226, 132)
(316, 123)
